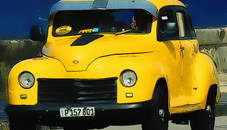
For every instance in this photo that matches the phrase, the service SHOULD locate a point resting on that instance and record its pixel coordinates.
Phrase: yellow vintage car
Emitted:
(115, 62)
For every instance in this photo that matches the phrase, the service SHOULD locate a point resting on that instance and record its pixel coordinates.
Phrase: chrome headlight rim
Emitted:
(19, 79)
(122, 80)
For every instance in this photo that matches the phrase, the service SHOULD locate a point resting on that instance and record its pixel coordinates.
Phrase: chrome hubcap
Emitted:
(209, 110)
(161, 113)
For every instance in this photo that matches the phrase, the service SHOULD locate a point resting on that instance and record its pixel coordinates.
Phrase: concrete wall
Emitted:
(222, 55)
(213, 36)
(213, 42)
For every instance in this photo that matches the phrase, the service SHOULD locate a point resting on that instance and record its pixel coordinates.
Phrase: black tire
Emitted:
(205, 119)
(70, 127)
(21, 123)
(158, 120)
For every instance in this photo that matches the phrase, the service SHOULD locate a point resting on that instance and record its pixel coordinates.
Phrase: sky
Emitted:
(207, 13)
(17, 16)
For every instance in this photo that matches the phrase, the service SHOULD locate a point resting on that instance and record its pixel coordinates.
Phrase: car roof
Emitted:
(151, 6)
(65, 5)
(162, 3)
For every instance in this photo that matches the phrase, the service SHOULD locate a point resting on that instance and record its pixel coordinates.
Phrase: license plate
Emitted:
(77, 111)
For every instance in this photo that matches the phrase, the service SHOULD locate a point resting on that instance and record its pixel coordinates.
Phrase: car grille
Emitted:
(77, 91)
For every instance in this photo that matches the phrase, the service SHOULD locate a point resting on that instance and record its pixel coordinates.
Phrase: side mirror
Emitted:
(37, 34)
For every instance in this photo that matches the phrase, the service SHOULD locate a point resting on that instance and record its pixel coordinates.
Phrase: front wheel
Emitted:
(158, 120)
(74, 127)
(205, 119)
(21, 123)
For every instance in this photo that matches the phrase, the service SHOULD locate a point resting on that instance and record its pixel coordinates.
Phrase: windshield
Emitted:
(68, 23)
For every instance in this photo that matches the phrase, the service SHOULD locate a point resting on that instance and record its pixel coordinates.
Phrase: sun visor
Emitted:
(104, 5)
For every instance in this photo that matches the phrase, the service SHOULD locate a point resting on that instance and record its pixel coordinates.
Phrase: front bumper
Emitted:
(105, 114)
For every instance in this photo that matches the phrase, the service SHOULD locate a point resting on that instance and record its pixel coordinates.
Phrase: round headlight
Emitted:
(128, 78)
(26, 80)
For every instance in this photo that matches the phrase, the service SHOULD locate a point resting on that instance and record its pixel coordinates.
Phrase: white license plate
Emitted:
(77, 111)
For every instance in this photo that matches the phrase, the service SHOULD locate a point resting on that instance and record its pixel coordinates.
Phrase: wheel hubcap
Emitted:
(161, 113)
(209, 110)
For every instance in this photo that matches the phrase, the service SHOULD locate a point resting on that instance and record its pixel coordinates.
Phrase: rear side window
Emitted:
(181, 24)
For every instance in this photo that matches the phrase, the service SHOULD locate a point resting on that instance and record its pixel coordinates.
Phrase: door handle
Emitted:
(181, 48)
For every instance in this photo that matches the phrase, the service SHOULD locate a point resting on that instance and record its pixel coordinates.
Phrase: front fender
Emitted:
(40, 67)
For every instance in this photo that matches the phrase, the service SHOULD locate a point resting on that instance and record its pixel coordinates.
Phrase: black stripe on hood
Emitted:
(85, 39)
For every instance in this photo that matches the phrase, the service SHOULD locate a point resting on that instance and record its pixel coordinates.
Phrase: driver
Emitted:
(140, 21)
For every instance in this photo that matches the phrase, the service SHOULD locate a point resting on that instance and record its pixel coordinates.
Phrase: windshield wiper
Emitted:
(123, 32)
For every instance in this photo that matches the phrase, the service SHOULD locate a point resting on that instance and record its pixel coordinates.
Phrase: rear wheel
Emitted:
(205, 119)
(158, 119)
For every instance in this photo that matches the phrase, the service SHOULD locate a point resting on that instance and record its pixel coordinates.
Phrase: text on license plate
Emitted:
(77, 111)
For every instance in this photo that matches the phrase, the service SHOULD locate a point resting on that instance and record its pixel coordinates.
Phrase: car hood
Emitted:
(78, 52)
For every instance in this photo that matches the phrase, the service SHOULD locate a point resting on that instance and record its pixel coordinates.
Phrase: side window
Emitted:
(167, 25)
(174, 23)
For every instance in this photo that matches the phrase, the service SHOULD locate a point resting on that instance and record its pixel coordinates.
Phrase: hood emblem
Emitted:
(75, 61)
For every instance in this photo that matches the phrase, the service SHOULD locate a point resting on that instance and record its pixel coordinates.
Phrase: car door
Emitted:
(168, 34)
(188, 47)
